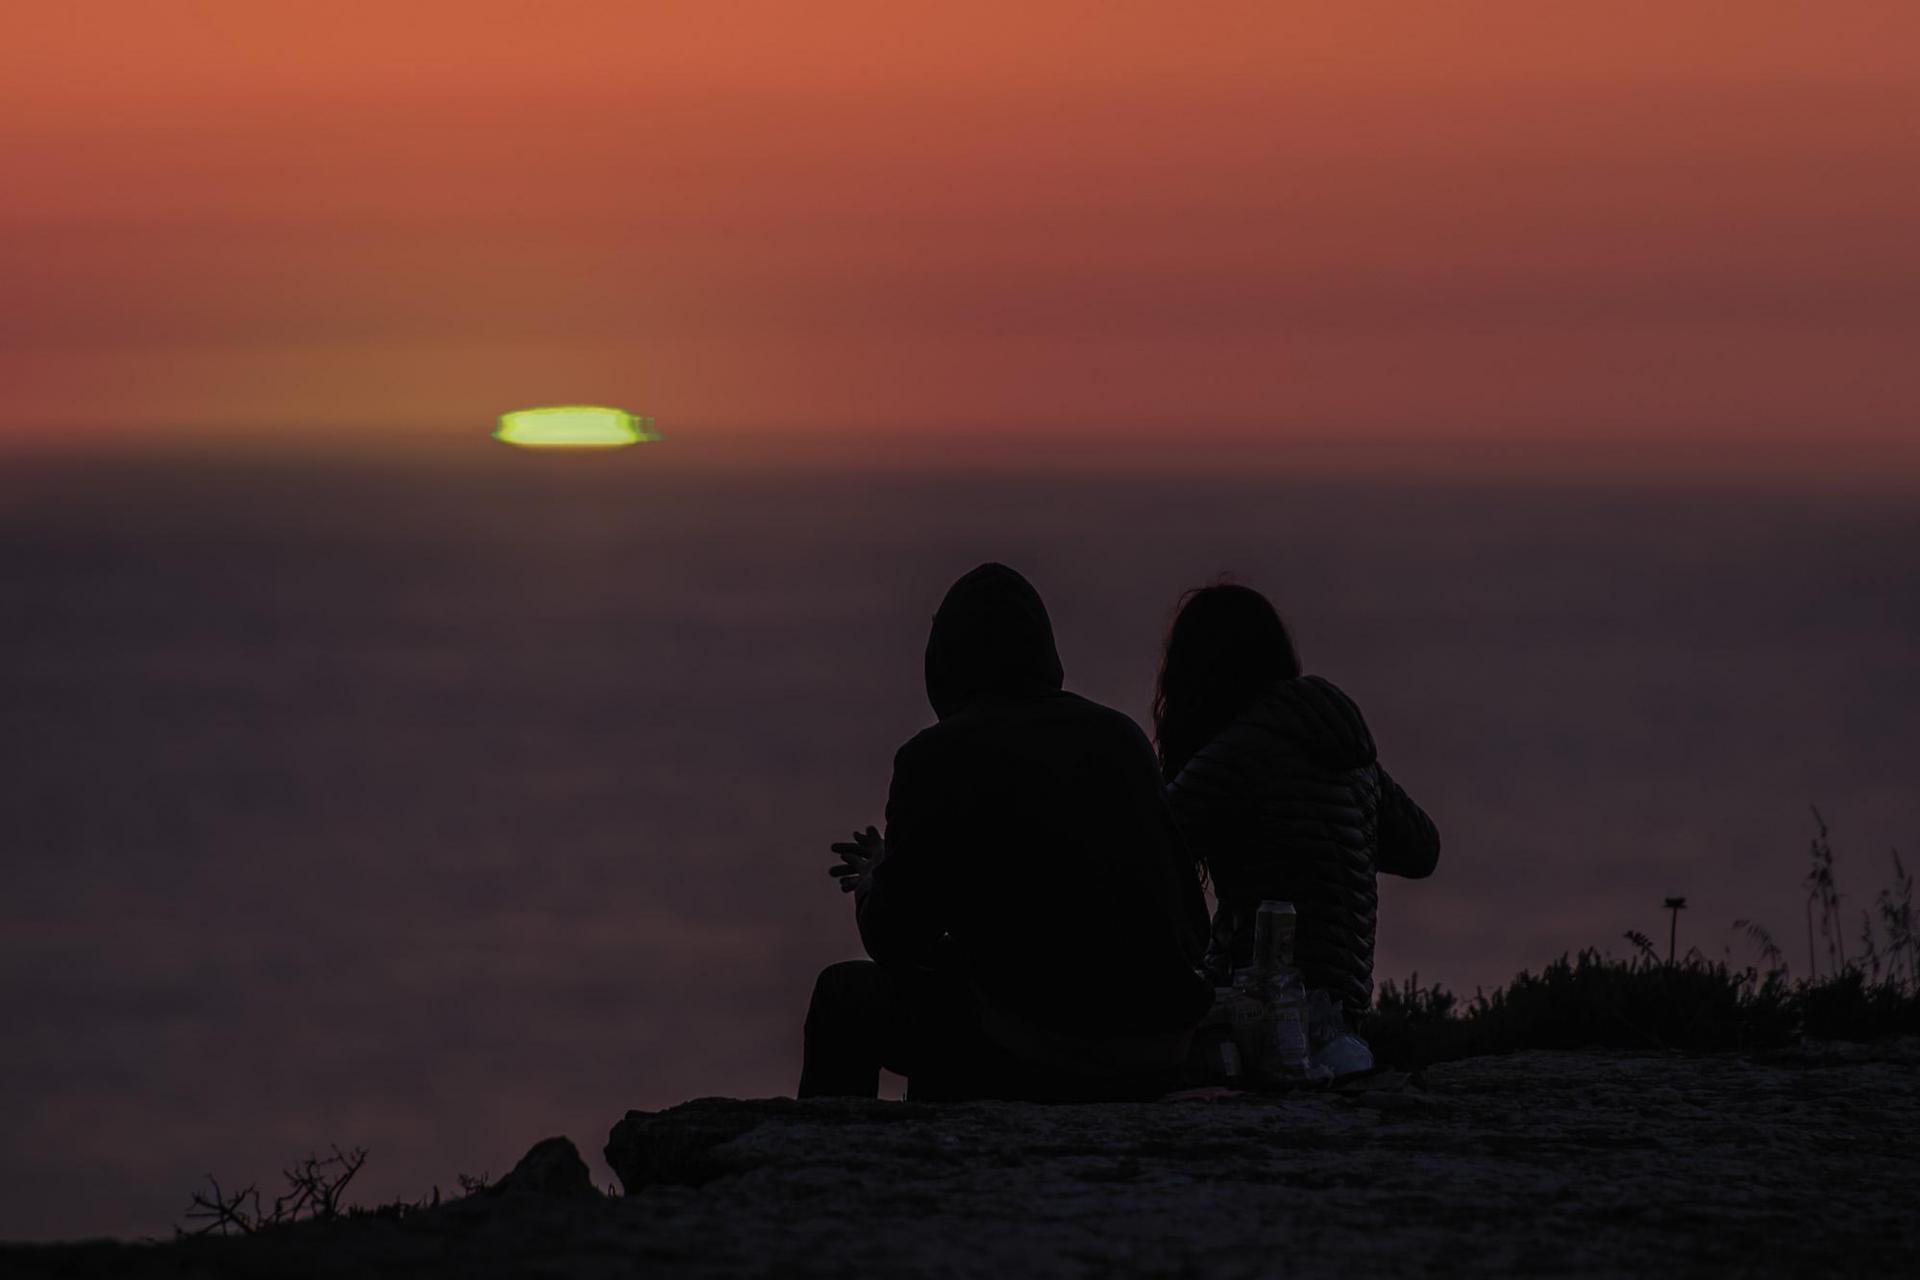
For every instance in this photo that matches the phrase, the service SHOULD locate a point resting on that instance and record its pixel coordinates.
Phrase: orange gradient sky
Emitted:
(1675, 233)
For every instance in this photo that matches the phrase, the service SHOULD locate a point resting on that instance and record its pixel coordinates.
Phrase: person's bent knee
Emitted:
(849, 984)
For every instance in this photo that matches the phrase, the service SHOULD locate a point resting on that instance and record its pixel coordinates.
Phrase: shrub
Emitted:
(1688, 1004)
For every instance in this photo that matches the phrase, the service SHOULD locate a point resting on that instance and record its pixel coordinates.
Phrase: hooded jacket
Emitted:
(1030, 850)
(1290, 802)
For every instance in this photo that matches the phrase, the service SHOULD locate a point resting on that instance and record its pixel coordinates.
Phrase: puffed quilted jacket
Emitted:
(1290, 802)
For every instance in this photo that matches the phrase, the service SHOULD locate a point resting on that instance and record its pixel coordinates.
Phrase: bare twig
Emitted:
(222, 1211)
(315, 1189)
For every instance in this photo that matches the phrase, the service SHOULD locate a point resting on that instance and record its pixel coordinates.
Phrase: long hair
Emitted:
(1227, 644)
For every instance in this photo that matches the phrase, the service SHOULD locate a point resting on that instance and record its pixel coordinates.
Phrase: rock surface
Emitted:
(550, 1168)
(1537, 1163)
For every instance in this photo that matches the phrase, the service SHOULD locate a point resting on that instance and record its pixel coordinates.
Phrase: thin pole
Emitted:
(1675, 906)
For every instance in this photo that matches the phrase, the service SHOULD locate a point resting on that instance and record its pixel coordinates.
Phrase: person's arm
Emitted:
(1409, 842)
(897, 903)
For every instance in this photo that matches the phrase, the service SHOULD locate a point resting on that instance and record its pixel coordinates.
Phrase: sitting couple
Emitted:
(1034, 911)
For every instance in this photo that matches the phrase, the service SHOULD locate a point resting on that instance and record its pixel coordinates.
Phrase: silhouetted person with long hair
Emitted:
(1275, 784)
(1034, 923)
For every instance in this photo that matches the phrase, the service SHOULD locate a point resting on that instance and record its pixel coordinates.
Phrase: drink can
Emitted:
(1273, 929)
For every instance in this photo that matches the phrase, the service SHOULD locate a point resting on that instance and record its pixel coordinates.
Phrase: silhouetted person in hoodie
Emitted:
(1034, 921)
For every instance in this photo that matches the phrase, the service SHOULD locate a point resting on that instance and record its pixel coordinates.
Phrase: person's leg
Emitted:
(945, 1049)
(916, 1023)
(854, 1028)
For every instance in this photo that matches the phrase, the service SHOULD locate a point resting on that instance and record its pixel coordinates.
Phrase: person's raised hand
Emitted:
(857, 858)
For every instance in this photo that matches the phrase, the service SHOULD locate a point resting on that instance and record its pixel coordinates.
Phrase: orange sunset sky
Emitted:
(1675, 234)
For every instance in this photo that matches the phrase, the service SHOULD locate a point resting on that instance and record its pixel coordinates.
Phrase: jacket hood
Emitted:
(1318, 715)
(991, 637)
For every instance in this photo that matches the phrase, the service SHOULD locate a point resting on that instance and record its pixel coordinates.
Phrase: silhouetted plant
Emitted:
(1694, 1005)
(1850, 1007)
(1896, 917)
(316, 1190)
(221, 1212)
(1412, 1023)
(1769, 950)
(1869, 952)
(1823, 892)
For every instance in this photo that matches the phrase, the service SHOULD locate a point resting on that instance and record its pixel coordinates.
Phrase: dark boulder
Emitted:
(551, 1168)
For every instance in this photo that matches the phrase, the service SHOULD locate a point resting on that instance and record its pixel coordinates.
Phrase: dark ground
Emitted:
(1794, 1163)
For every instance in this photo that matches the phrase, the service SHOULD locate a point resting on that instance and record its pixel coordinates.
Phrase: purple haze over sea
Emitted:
(443, 808)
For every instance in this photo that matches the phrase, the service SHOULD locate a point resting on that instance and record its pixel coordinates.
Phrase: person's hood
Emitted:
(991, 638)
(1319, 716)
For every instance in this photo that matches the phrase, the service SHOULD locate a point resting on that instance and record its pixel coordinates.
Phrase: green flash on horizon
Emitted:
(573, 426)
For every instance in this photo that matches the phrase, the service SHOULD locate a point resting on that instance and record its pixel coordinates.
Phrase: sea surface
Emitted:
(442, 805)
